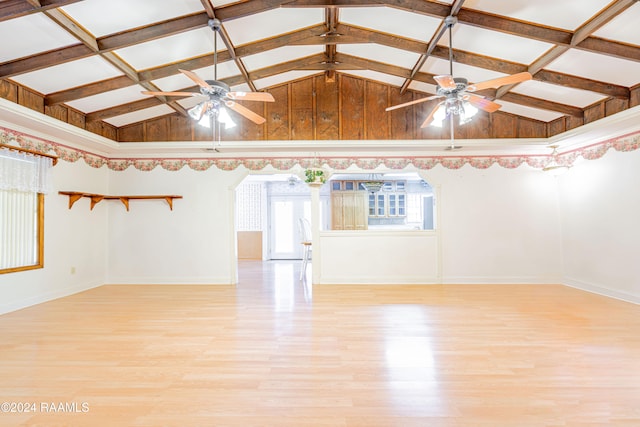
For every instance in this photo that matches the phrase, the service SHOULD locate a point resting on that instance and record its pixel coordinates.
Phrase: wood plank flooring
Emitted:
(274, 352)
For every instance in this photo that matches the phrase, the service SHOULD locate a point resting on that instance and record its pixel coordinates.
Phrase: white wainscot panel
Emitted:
(377, 257)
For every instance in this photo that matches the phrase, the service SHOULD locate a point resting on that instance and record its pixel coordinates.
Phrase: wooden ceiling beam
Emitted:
(295, 37)
(367, 64)
(297, 64)
(351, 34)
(566, 80)
(153, 31)
(543, 104)
(88, 90)
(123, 109)
(247, 8)
(46, 59)
(10, 9)
(579, 39)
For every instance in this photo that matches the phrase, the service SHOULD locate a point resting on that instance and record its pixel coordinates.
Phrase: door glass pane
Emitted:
(283, 230)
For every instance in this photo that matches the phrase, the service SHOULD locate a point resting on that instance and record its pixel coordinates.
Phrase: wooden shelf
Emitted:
(74, 196)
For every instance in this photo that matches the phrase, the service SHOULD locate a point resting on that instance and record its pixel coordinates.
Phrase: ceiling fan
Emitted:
(458, 95)
(218, 95)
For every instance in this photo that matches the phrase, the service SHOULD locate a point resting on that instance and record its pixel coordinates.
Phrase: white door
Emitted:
(284, 237)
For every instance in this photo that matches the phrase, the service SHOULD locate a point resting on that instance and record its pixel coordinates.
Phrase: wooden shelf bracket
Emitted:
(74, 196)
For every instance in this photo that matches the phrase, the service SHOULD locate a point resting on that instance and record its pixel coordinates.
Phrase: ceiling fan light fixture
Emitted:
(466, 112)
(197, 112)
(225, 119)
(440, 116)
(217, 113)
(463, 109)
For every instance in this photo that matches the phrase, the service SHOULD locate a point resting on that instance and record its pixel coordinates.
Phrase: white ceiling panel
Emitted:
(426, 88)
(180, 81)
(191, 101)
(169, 49)
(565, 14)
(140, 115)
(495, 44)
(108, 99)
(378, 53)
(282, 78)
(68, 75)
(102, 17)
(438, 67)
(272, 23)
(219, 3)
(281, 54)
(624, 27)
(392, 21)
(597, 67)
(376, 76)
(532, 113)
(559, 94)
(31, 34)
(243, 87)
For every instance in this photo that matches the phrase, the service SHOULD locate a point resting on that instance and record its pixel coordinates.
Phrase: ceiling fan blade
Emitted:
(196, 78)
(500, 81)
(244, 111)
(484, 104)
(416, 101)
(251, 96)
(148, 92)
(429, 118)
(445, 82)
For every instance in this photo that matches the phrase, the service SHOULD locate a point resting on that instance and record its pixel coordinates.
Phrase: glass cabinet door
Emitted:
(392, 205)
(381, 205)
(402, 204)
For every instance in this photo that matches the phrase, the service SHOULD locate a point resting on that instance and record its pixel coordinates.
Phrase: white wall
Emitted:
(600, 224)
(378, 257)
(193, 244)
(494, 225)
(498, 225)
(74, 239)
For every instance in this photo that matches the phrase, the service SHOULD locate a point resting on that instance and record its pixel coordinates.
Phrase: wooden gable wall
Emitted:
(314, 108)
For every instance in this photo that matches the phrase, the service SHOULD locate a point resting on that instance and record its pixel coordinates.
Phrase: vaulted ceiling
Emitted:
(93, 58)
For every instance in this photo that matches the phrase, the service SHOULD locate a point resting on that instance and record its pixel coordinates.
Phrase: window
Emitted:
(24, 178)
(404, 201)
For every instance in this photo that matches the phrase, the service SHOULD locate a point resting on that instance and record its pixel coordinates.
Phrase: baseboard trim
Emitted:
(42, 298)
(601, 290)
(508, 280)
(164, 281)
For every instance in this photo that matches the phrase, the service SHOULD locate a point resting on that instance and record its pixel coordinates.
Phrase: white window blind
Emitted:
(22, 177)
(18, 229)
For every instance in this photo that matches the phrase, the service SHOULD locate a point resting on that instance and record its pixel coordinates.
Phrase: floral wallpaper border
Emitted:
(625, 143)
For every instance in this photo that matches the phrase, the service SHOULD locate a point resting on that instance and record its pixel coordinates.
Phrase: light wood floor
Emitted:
(271, 352)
